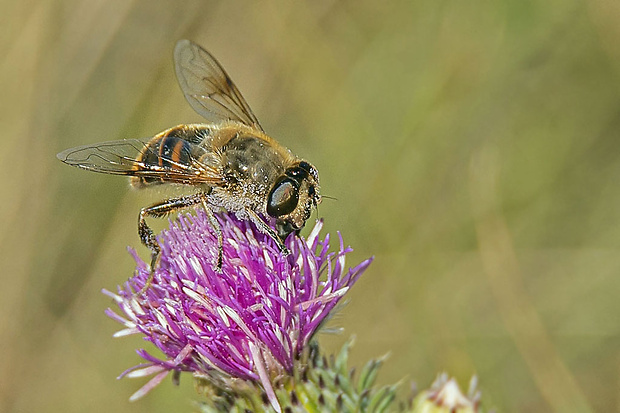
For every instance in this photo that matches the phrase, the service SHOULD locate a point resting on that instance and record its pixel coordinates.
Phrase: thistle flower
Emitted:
(445, 396)
(252, 321)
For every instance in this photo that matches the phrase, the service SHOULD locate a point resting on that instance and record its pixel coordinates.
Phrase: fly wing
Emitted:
(207, 87)
(145, 160)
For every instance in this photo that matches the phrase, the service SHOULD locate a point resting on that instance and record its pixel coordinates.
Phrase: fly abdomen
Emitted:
(173, 153)
(167, 152)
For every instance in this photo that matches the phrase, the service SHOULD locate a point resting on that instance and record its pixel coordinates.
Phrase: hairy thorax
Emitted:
(250, 164)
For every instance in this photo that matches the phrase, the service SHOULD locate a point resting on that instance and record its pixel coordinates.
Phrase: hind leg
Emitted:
(147, 236)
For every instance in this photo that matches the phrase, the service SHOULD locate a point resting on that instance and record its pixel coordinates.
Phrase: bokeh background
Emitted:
(473, 148)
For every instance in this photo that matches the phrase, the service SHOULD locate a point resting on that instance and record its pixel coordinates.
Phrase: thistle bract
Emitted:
(251, 321)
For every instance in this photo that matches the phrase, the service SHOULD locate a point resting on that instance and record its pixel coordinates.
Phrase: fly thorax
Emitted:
(249, 158)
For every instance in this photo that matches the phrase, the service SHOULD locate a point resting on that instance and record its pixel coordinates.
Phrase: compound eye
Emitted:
(283, 197)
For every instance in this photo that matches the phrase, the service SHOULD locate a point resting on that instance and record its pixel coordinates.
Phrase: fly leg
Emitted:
(147, 236)
(266, 229)
(218, 231)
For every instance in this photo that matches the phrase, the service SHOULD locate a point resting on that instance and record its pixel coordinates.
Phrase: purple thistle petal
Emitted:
(146, 371)
(149, 386)
(264, 377)
(251, 321)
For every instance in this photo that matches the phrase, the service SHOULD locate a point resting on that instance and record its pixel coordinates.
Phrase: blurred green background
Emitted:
(473, 148)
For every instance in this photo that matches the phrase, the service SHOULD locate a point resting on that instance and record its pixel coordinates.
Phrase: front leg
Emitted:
(266, 229)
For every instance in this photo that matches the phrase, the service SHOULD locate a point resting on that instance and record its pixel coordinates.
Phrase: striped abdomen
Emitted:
(172, 154)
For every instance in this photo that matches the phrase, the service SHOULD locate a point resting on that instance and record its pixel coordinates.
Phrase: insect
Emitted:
(229, 162)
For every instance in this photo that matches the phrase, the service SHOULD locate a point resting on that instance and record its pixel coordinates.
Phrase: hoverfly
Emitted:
(229, 161)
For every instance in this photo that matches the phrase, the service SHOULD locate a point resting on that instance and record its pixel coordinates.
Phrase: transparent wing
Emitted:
(207, 87)
(146, 160)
